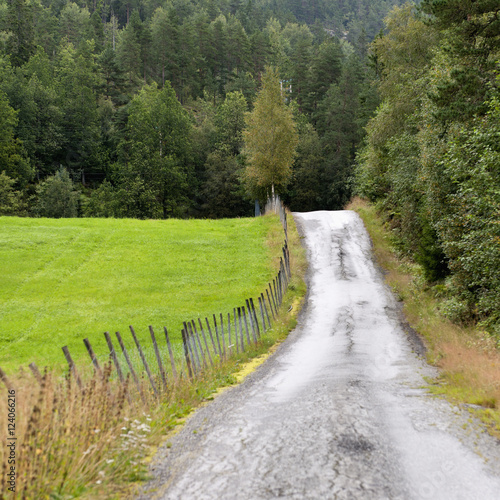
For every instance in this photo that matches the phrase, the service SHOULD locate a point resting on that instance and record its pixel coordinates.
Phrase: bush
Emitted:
(57, 196)
(11, 201)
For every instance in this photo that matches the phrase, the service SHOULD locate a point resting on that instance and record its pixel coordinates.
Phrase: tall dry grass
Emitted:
(69, 437)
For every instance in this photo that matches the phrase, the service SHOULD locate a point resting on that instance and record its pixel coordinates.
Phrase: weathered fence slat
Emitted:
(186, 351)
(236, 339)
(229, 345)
(246, 324)
(197, 338)
(265, 308)
(211, 337)
(112, 353)
(129, 363)
(242, 339)
(5, 380)
(144, 362)
(158, 358)
(261, 307)
(193, 349)
(36, 372)
(270, 305)
(250, 316)
(216, 335)
(71, 364)
(223, 338)
(206, 343)
(93, 357)
(284, 273)
(255, 318)
(171, 354)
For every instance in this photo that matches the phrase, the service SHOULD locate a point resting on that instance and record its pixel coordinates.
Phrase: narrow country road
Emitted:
(338, 412)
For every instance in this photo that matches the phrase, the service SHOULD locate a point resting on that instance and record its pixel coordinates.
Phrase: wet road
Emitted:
(338, 412)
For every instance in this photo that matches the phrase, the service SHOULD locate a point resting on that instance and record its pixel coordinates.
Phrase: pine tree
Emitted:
(20, 45)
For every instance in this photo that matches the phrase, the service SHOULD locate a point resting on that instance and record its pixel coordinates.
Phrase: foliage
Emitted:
(57, 196)
(157, 150)
(271, 137)
(11, 202)
(431, 152)
(72, 73)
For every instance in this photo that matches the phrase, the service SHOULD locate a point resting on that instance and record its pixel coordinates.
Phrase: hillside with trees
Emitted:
(137, 108)
(431, 157)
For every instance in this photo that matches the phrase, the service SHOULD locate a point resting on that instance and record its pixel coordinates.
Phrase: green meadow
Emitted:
(62, 280)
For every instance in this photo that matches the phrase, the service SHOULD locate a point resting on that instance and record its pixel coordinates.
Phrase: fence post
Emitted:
(263, 304)
(71, 364)
(197, 338)
(236, 331)
(211, 336)
(192, 348)
(216, 334)
(5, 380)
(255, 318)
(141, 354)
(158, 358)
(262, 313)
(170, 353)
(93, 357)
(241, 331)
(249, 310)
(223, 338)
(186, 351)
(229, 345)
(36, 372)
(206, 343)
(270, 305)
(113, 356)
(130, 366)
(277, 290)
(246, 324)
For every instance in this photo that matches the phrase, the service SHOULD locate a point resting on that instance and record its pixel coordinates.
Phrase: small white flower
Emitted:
(98, 482)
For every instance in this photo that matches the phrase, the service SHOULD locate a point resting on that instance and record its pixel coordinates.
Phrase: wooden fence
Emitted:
(205, 342)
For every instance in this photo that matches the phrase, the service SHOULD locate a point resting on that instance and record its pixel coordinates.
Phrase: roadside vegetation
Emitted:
(466, 354)
(96, 442)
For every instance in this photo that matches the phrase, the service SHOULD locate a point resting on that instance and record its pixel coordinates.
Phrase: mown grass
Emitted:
(467, 356)
(68, 279)
(96, 442)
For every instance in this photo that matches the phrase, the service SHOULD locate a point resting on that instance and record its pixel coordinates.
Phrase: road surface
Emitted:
(339, 411)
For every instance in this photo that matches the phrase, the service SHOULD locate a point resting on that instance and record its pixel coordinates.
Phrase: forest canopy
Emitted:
(142, 102)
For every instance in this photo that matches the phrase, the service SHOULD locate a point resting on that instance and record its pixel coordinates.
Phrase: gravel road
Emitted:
(338, 412)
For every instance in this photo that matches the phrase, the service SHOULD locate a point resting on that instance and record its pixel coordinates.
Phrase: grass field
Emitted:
(62, 280)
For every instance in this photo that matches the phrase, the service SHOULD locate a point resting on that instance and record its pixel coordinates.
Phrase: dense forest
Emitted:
(140, 108)
(431, 156)
(137, 108)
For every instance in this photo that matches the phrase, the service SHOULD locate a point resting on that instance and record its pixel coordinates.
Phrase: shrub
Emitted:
(57, 196)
